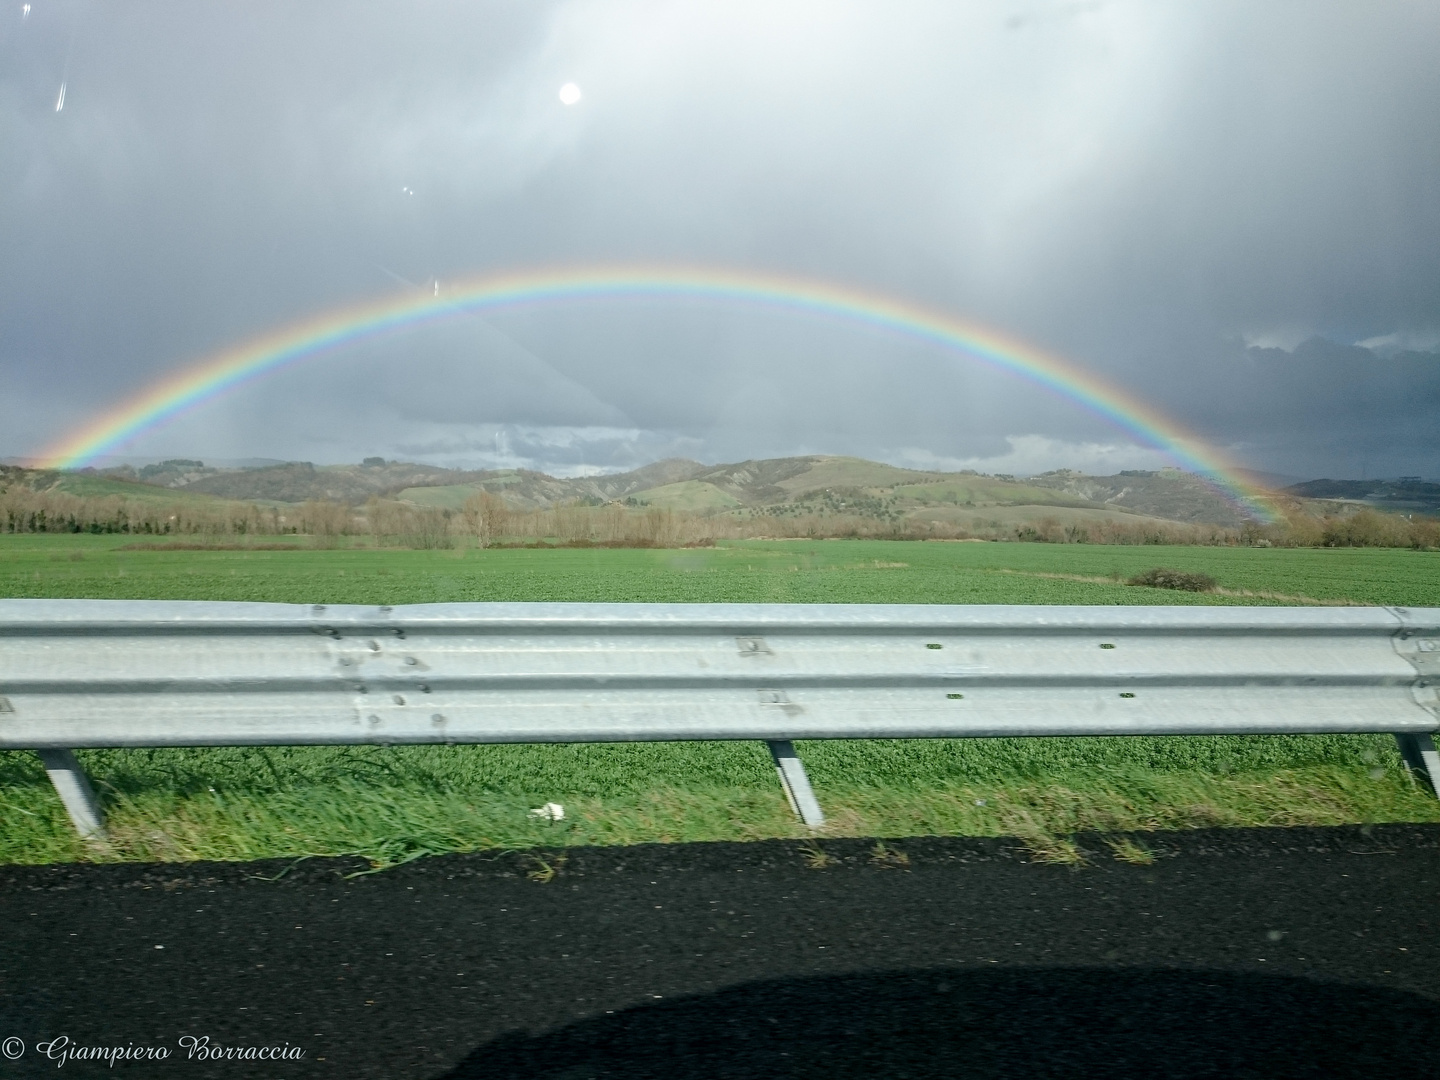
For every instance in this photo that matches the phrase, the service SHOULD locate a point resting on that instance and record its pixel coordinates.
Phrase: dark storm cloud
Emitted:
(1146, 188)
(1353, 410)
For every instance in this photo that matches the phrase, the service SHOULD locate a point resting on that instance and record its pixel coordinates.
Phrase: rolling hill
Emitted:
(821, 484)
(1409, 494)
(90, 485)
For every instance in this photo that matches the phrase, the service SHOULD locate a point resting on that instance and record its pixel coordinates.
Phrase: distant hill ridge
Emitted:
(824, 483)
(1408, 493)
(812, 484)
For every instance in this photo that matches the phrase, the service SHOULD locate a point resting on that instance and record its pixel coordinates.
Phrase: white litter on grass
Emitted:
(551, 811)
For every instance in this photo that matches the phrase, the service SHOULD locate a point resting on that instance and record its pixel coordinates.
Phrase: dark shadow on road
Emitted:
(1030, 1024)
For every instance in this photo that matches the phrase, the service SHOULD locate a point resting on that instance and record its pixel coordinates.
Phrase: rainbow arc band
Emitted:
(224, 372)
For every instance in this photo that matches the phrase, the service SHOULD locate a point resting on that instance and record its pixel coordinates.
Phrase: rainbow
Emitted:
(224, 372)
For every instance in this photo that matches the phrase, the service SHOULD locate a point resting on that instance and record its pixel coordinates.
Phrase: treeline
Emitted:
(26, 511)
(485, 520)
(1364, 528)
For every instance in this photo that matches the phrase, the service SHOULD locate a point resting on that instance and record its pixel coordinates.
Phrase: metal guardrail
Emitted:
(115, 673)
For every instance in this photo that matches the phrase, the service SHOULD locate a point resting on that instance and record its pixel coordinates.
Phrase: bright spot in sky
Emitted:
(24, 12)
(569, 94)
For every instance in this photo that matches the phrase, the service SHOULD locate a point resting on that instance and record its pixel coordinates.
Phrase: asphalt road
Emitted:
(1244, 953)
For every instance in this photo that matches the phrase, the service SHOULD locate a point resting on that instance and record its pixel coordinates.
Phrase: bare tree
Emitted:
(486, 516)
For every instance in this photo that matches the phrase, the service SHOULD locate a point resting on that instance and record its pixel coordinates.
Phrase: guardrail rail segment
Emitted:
(119, 673)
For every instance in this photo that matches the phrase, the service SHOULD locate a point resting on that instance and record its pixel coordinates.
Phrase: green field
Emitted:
(817, 571)
(390, 804)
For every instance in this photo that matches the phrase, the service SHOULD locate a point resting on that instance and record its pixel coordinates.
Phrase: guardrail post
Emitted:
(796, 784)
(1421, 758)
(75, 792)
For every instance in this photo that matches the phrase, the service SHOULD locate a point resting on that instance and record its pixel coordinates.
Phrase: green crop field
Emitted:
(390, 804)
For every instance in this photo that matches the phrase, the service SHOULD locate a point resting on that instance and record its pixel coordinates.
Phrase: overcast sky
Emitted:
(1231, 209)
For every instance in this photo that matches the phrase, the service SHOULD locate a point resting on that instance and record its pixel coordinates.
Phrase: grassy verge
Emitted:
(391, 804)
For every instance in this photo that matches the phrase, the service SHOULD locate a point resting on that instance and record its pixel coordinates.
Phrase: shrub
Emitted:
(1161, 578)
